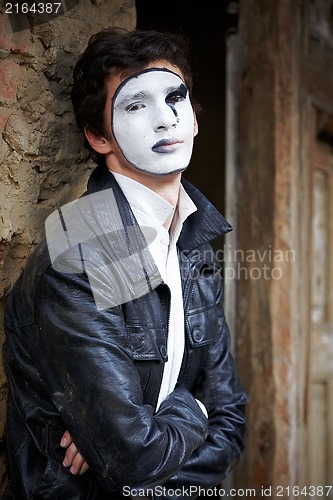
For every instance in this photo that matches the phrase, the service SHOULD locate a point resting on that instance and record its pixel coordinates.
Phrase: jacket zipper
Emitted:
(189, 296)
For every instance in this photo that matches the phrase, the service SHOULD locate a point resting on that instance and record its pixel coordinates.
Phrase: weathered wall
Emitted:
(43, 161)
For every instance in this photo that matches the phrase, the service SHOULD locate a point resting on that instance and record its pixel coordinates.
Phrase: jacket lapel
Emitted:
(204, 225)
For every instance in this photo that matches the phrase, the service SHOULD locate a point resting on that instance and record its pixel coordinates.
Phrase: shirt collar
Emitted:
(205, 225)
(185, 207)
(152, 208)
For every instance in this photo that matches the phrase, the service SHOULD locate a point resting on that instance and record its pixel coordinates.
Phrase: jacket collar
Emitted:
(204, 225)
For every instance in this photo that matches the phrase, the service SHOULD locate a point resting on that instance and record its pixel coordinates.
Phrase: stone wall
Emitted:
(43, 161)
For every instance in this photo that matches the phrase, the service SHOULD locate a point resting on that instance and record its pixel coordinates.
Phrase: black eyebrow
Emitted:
(182, 89)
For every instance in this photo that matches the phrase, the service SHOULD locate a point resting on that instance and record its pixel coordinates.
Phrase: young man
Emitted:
(117, 345)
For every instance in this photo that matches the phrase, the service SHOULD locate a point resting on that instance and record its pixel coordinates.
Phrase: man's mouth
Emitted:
(166, 145)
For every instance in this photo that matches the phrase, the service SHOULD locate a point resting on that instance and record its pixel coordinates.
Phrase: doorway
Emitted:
(205, 29)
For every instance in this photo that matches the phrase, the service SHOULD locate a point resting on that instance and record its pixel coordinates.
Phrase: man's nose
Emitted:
(165, 118)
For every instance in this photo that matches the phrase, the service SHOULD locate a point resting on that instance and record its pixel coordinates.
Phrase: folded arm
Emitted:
(87, 367)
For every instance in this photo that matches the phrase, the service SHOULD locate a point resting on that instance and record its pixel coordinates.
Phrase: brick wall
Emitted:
(43, 161)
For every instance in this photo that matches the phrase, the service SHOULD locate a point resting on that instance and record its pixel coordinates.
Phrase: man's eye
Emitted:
(134, 106)
(174, 98)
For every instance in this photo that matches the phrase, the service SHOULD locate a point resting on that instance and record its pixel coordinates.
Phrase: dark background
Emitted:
(205, 29)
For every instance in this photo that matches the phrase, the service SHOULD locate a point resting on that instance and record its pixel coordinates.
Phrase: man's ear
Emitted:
(196, 126)
(98, 143)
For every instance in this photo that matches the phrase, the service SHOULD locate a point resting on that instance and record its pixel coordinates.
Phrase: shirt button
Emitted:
(163, 351)
(198, 335)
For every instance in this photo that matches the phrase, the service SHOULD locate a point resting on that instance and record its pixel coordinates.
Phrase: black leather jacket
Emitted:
(98, 374)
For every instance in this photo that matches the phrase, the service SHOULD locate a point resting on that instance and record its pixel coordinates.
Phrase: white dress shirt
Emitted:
(150, 209)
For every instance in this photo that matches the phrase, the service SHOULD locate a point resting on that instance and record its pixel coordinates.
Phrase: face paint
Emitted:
(153, 121)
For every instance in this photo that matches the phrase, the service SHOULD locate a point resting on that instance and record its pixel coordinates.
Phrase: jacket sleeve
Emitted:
(87, 368)
(219, 388)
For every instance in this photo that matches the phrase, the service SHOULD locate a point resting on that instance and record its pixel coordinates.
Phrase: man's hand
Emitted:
(73, 457)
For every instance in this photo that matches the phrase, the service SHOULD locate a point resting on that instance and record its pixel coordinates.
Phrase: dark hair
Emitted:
(123, 52)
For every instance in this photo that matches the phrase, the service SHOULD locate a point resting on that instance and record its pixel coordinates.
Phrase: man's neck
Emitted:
(167, 186)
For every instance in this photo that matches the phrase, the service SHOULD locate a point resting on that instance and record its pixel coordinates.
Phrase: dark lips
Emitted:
(166, 146)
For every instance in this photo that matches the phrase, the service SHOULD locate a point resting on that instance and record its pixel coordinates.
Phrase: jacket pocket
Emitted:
(147, 344)
(202, 327)
(149, 353)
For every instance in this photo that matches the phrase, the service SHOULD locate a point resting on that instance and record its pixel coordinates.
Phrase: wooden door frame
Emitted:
(271, 60)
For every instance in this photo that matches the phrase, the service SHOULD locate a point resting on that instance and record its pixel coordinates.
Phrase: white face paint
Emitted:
(153, 121)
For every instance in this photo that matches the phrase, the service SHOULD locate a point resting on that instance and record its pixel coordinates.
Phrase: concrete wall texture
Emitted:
(43, 160)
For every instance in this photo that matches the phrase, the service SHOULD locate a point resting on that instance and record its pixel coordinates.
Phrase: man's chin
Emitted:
(161, 173)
